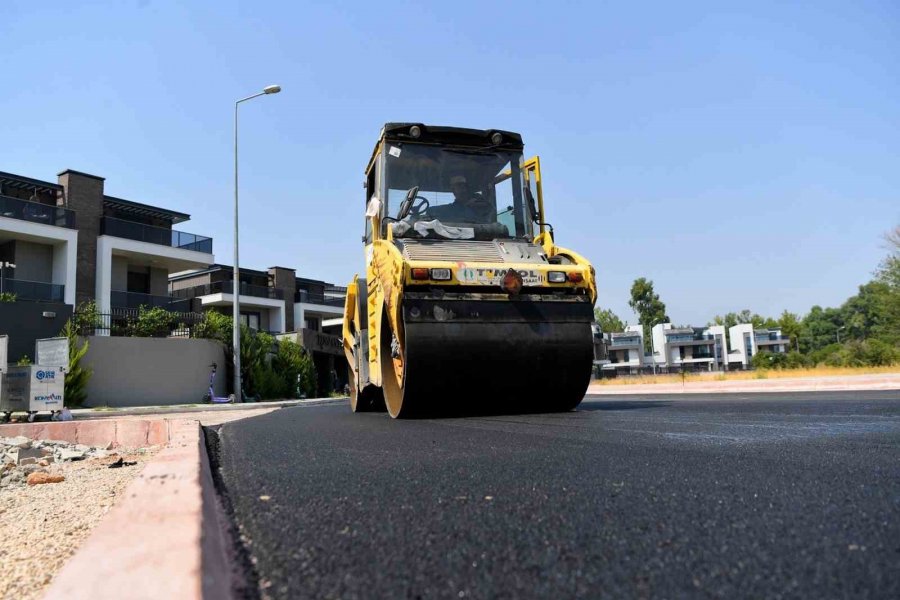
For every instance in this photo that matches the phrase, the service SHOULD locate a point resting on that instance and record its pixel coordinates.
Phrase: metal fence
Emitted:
(16, 208)
(320, 299)
(227, 287)
(142, 232)
(124, 322)
(33, 290)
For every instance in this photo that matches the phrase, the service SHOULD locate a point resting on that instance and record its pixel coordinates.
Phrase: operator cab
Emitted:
(450, 183)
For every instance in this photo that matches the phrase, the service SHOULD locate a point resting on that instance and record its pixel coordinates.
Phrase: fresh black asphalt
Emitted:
(738, 495)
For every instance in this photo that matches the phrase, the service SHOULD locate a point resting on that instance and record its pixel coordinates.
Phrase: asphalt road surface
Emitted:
(739, 495)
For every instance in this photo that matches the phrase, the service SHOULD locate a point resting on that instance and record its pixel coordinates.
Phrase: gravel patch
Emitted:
(43, 525)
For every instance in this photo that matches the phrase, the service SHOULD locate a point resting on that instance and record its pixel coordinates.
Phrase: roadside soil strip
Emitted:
(43, 525)
(149, 543)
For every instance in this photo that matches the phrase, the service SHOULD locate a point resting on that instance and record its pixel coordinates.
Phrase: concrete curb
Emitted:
(90, 413)
(123, 433)
(163, 539)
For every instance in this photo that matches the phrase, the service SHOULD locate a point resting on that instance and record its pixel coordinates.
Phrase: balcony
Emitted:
(34, 290)
(226, 287)
(137, 299)
(320, 299)
(16, 208)
(155, 235)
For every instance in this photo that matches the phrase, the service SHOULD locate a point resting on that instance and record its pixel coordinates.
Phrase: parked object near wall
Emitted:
(37, 387)
(151, 371)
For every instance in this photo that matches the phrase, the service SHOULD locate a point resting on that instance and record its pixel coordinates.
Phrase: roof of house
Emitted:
(18, 181)
(144, 210)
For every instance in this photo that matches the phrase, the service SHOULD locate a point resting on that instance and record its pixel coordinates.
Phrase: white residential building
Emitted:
(746, 342)
(626, 350)
(688, 348)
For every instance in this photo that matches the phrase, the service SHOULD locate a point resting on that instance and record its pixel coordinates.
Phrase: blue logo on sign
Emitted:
(42, 375)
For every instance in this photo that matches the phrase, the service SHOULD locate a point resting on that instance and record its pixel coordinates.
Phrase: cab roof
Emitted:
(448, 136)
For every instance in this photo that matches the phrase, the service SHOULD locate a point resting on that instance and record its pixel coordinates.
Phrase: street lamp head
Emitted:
(272, 89)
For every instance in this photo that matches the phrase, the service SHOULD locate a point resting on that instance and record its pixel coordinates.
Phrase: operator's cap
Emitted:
(457, 179)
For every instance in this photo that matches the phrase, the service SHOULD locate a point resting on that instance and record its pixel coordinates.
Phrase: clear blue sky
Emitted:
(738, 157)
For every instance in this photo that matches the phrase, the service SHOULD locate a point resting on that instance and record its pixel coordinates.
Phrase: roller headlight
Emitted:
(556, 277)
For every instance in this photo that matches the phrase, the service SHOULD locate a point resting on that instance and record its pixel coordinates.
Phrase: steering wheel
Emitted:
(417, 209)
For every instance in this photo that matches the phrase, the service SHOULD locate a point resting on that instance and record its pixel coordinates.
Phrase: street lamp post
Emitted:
(236, 282)
(838, 332)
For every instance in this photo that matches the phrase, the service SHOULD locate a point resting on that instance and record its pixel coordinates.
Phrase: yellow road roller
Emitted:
(468, 306)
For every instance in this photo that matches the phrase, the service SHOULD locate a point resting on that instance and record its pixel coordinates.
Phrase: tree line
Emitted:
(863, 331)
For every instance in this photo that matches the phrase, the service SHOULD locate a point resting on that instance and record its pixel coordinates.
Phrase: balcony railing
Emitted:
(680, 337)
(226, 287)
(16, 208)
(34, 290)
(136, 300)
(321, 299)
(625, 342)
(773, 339)
(155, 235)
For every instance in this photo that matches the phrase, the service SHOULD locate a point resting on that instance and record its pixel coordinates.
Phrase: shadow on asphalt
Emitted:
(623, 405)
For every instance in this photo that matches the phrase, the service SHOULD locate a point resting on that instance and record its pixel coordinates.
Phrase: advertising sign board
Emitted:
(52, 352)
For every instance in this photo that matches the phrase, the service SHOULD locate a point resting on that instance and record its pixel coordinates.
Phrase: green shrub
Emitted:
(828, 355)
(768, 360)
(7, 297)
(151, 322)
(293, 362)
(255, 349)
(795, 360)
(86, 318)
(267, 383)
(23, 362)
(76, 376)
(214, 326)
(877, 353)
(268, 369)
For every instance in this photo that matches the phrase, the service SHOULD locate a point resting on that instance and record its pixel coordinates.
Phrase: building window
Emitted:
(139, 282)
(251, 320)
(312, 323)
